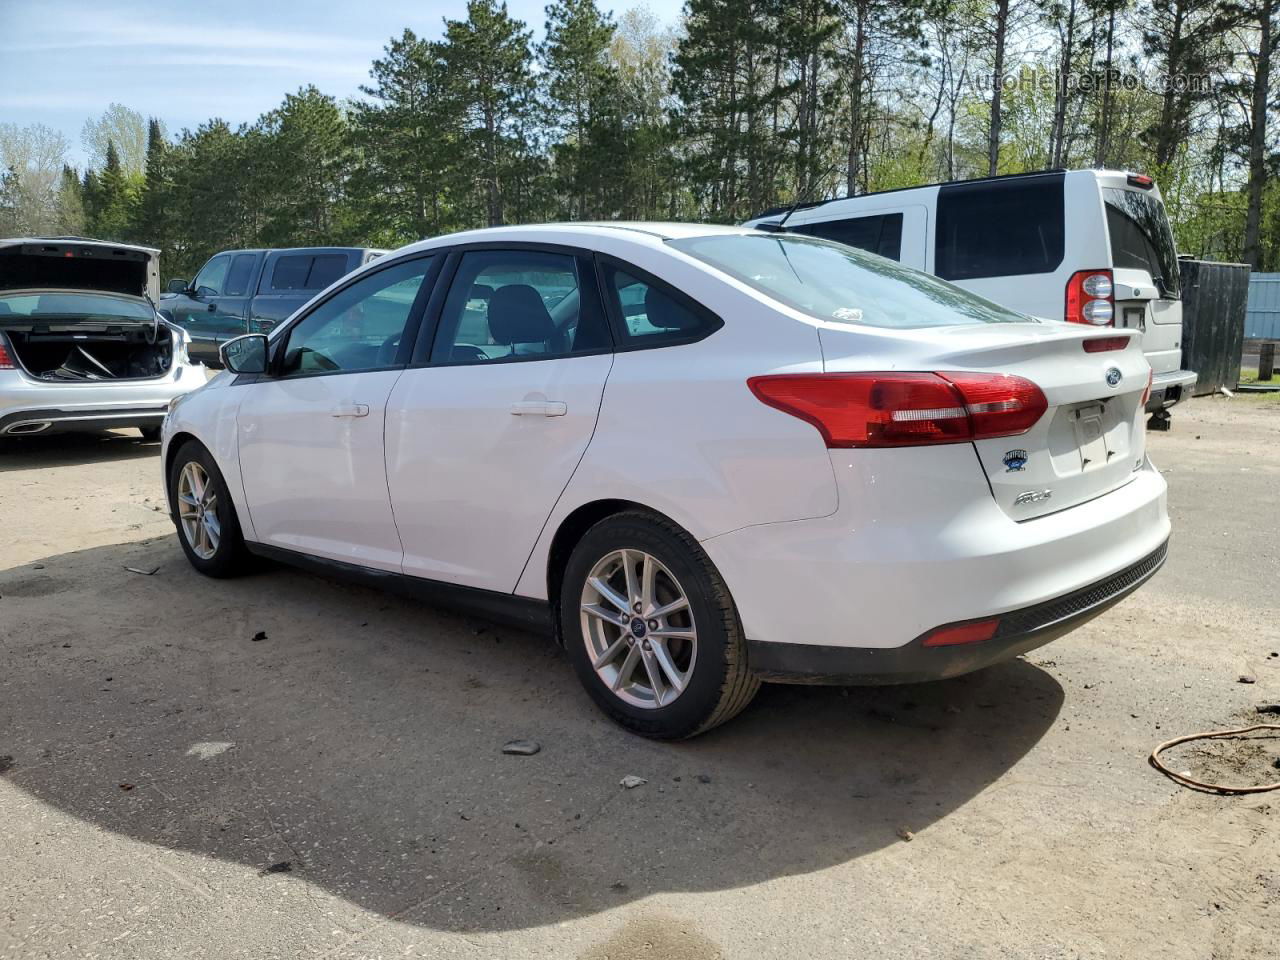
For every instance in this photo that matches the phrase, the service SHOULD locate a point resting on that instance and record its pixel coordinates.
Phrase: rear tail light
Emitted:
(6, 358)
(1146, 394)
(1140, 180)
(905, 409)
(1104, 344)
(975, 632)
(1091, 298)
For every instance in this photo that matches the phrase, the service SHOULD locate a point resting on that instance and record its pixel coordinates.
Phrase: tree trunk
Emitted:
(1060, 98)
(491, 159)
(1168, 135)
(1258, 135)
(854, 173)
(1104, 120)
(997, 87)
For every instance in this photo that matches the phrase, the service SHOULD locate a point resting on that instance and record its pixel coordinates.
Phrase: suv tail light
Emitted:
(905, 409)
(6, 358)
(1140, 180)
(1091, 298)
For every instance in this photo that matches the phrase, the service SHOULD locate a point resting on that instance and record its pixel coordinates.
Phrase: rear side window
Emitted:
(1000, 228)
(653, 314)
(307, 272)
(881, 233)
(238, 276)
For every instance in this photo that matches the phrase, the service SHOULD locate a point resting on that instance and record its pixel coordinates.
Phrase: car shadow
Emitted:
(63, 449)
(353, 740)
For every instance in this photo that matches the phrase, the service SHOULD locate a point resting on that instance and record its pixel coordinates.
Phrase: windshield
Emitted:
(79, 306)
(1140, 237)
(840, 284)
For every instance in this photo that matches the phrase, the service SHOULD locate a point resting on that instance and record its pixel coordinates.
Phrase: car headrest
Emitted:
(662, 311)
(518, 315)
(480, 291)
(4, 308)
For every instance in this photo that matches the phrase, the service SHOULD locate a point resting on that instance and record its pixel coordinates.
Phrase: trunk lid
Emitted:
(1089, 441)
(83, 265)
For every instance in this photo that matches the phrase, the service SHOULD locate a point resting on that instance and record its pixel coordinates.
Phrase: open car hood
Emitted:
(64, 263)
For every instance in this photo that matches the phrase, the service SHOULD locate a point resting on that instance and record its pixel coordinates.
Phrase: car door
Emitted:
(484, 433)
(310, 433)
(195, 308)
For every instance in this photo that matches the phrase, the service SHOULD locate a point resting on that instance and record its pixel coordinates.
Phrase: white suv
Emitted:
(701, 456)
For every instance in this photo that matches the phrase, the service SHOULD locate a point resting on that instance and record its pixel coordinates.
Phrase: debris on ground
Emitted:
(208, 749)
(284, 866)
(905, 834)
(126, 787)
(1268, 708)
(631, 782)
(521, 748)
(1185, 780)
(703, 778)
(143, 571)
(1246, 678)
(6, 763)
(260, 635)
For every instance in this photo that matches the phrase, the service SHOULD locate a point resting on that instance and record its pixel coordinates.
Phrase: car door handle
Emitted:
(352, 410)
(539, 408)
(212, 307)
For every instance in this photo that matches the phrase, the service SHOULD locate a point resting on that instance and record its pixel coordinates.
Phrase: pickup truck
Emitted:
(250, 291)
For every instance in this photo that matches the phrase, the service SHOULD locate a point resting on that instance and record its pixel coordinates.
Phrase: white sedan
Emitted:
(702, 457)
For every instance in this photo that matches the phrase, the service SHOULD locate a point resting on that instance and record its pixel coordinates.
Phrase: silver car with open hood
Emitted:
(82, 346)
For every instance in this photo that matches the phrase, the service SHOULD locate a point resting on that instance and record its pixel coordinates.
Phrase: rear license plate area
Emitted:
(1091, 435)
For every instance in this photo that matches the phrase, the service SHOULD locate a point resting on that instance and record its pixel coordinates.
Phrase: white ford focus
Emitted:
(704, 457)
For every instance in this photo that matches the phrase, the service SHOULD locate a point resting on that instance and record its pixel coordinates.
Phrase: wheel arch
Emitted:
(571, 531)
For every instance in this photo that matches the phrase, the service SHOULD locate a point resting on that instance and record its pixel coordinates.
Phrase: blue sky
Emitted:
(62, 61)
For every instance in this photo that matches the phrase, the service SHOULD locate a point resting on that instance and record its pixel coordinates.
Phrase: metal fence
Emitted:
(1262, 318)
(1213, 307)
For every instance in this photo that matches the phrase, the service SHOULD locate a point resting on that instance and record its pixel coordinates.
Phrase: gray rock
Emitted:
(522, 748)
(631, 782)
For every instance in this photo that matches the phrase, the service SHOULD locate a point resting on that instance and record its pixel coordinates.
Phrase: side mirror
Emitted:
(176, 285)
(247, 354)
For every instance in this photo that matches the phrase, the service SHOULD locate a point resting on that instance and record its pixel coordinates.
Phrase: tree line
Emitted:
(744, 105)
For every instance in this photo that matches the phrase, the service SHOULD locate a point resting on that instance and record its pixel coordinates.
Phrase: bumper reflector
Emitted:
(974, 632)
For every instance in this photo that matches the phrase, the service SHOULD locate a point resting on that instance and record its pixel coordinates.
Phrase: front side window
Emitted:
(1000, 228)
(358, 328)
(839, 284)
(881, 233)
(212, 276)
(520, 304)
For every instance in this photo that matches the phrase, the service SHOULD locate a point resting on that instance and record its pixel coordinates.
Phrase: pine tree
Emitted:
(152, 226)
(408, 173)
(306, 160)
(490, 69)
(581, 90)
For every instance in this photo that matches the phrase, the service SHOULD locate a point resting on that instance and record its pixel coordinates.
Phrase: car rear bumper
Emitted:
(917, 543)
(1018, 632)
(29, 406)
(1169, 388)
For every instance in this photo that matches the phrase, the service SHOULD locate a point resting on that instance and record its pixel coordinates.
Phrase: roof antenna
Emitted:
(801, 201)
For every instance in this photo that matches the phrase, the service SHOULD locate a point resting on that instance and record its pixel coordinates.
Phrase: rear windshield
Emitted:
(839, 284)
(79, 306)
(1141, 238)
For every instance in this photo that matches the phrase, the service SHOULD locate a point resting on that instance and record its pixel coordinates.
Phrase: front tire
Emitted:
(651, 629)
(208, 527)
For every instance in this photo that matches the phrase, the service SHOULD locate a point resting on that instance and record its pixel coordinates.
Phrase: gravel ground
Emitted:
(173, 787)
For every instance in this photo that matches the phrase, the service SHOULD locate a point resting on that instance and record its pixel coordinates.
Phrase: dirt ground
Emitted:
(174, 787)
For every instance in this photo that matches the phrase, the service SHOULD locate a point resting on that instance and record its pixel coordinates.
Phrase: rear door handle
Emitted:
(352, 410)
(539, 408)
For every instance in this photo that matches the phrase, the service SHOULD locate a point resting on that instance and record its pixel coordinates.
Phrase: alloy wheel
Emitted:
(198, 510)
(638, 628)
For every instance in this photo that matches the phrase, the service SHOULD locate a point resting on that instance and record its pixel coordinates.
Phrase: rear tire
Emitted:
(208, 528)
(674, 663)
